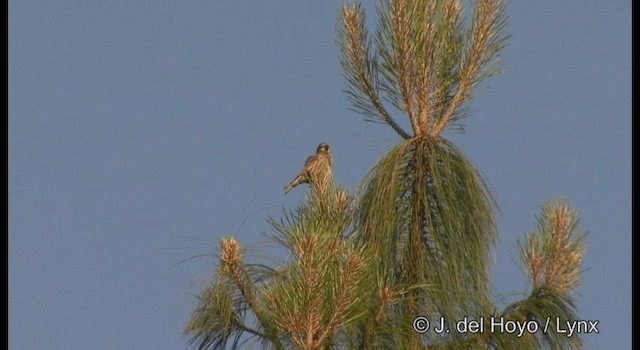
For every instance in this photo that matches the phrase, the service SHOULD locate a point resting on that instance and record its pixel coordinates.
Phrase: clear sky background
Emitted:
(141, 132)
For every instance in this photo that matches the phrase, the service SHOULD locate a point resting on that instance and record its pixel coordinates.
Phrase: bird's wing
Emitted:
(310, 160)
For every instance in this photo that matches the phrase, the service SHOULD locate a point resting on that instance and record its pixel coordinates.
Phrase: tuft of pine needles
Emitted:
(424, 59)
(552, 259)
(308, 302)
(429, 217)
(553, 255)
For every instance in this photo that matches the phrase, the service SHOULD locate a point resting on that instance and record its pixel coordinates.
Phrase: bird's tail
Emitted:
(298, 180)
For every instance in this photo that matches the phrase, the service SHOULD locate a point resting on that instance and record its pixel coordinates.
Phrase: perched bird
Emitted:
(316, 171)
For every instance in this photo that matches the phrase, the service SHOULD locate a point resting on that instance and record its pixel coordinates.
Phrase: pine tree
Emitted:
(416, 237)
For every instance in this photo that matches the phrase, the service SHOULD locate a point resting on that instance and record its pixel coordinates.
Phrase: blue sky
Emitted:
(141, 132)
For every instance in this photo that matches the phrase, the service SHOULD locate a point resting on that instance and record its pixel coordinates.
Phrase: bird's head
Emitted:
(323, 147)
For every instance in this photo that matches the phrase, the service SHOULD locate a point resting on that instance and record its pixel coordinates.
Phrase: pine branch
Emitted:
(485, 43)
(359, 68)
